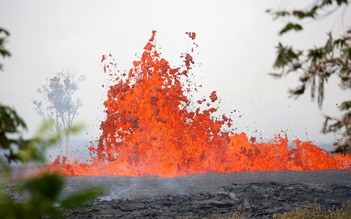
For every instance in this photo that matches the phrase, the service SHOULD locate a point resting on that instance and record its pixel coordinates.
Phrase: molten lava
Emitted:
(152, 127)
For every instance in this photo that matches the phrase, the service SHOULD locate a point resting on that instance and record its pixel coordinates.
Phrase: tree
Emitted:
(44, 192)
(11, 124)
(59, 104)
(316, 65)
(3, 51)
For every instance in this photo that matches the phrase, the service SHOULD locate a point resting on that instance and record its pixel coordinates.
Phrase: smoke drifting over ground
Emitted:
(253, 194)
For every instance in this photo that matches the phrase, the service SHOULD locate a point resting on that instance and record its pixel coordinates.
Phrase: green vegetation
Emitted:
(314, 211)
(235, 215)
(3, 51)
(40, 195)
(44, 198)
(317, 64)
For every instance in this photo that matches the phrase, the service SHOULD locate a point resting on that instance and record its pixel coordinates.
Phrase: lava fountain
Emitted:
(152, 128)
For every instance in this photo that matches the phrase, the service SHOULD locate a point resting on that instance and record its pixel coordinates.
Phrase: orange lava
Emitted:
(151, 127)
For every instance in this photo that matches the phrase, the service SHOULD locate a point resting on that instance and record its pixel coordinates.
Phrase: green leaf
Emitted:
(285, 56)
(276, 75)
(299, 14)
(32, 152)
(304, 78)
(277, 14)
(297, 91)
(320, 96)
(44, 127)
(315, 54)
(4, 141)
(281, 14)
(5, 53)
(326, 2)
(76, 128)
(82, 197)
(9, 120)
(290, 27)
(347, 53)
(2, 30)
(340, 42)
(313, 12)
(340, 2)
(313, 87)
(47, 186)
(4, 169)
(345, 105)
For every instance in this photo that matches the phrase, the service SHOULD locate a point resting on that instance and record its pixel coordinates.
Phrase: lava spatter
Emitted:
(150, 128)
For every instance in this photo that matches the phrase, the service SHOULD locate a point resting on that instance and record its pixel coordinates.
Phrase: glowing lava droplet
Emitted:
(150, 128)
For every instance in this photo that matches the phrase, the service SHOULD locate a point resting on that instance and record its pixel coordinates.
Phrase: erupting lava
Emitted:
(151, 127)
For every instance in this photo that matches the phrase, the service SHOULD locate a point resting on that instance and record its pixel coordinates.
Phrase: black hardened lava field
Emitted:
(250, 194)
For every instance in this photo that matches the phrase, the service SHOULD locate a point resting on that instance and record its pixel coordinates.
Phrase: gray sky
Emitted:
(236, 41)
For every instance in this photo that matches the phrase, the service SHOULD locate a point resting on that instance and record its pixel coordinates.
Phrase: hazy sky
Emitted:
(236, 41)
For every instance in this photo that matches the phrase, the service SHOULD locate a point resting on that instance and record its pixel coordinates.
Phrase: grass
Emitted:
(225, 216)
(314, 211)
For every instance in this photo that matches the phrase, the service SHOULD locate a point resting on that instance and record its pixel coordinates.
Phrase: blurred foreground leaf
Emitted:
(42, 195)
(81, 198)
(44, 198)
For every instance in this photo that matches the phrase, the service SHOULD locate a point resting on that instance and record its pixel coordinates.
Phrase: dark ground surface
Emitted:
(252, 194)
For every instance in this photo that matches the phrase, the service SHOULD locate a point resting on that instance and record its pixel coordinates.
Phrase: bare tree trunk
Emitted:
(68, 147)
(58, 135)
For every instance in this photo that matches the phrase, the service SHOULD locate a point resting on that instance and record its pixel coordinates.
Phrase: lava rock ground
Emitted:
(252, 194)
